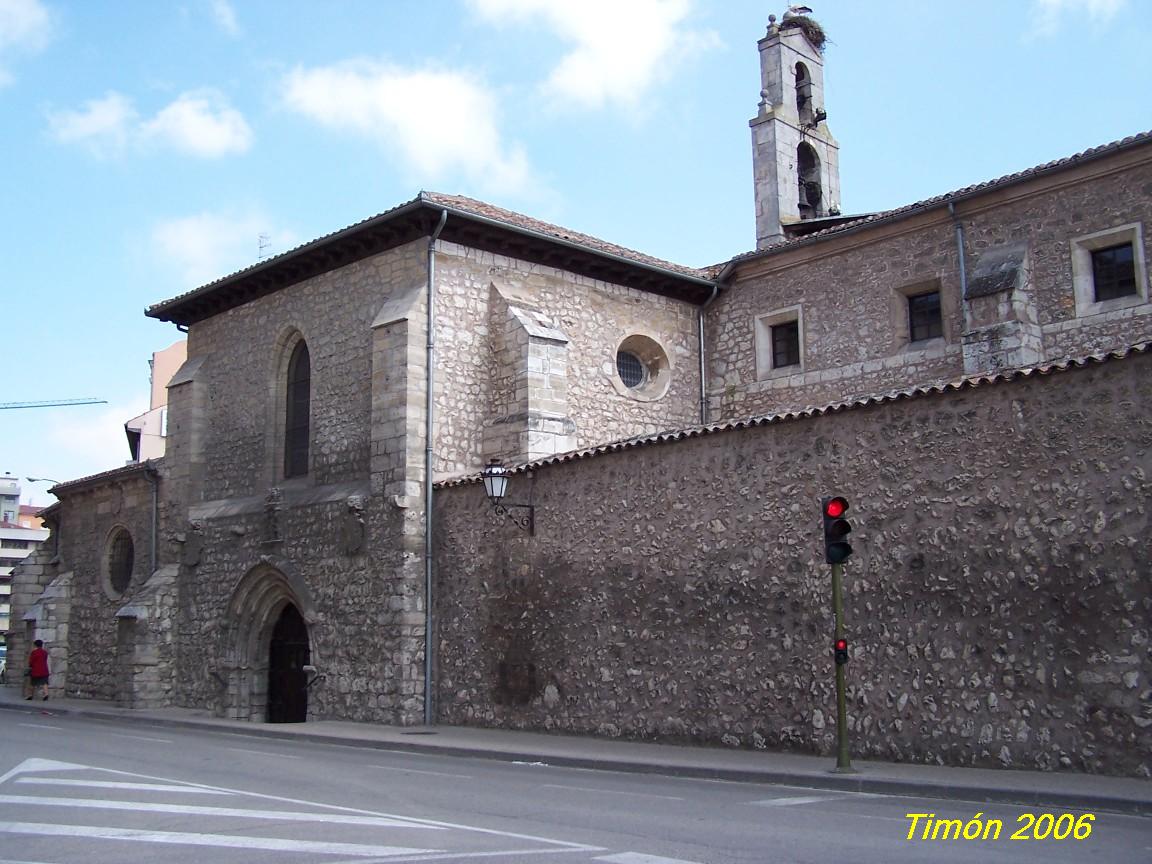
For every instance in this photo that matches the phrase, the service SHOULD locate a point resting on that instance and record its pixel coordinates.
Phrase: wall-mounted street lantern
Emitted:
(496, 486)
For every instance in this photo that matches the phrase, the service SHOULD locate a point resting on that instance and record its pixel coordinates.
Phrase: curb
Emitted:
(857, 783)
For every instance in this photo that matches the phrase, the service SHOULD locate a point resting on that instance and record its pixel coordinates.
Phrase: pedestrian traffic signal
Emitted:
(837, 549)
(841, 651)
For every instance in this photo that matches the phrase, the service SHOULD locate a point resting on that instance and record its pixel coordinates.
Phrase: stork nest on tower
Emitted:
(810, 27)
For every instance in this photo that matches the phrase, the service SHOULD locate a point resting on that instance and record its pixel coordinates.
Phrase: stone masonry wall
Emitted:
(850, 291)
(595, 317)
(347, 535)
(89, 515)
(997, 606)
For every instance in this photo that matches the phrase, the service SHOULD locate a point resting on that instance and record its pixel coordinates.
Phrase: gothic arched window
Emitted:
(297, 405)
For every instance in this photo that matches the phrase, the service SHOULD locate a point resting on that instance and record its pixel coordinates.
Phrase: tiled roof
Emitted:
(103, 477)
(283, 256)
(433, 203)
(964, 383)
(471, 206)
(1131, 141)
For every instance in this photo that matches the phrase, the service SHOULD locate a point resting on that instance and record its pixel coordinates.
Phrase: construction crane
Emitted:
(53, 403)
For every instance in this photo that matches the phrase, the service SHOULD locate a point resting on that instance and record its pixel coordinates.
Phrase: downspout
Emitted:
(154, 478)
(959, 250)
(703, 365)
(429, 428)
(700, 330)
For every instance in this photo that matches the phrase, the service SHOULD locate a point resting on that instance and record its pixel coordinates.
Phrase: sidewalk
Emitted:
(1033, 788)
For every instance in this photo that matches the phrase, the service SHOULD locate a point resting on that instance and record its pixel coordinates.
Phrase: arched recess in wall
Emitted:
(808, 172)
(263, 599)
(291, 391)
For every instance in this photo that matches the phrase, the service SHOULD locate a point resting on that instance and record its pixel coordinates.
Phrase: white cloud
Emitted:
(25, 27)
(439, 121)
(225, 16)
(104, 125)
(206, 246)
(201, 124)
(621, 48)
(1049, 15)
(198, 123)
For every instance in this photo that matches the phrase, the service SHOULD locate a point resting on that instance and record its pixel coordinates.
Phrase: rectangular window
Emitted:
(1113, 272)
(924, 320)
(786, 344)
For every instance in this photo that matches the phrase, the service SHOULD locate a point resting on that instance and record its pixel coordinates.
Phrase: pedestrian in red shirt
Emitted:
(38, 669)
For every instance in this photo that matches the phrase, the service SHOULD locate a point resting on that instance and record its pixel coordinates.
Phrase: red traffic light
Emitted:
(834, 508)
(841, 651)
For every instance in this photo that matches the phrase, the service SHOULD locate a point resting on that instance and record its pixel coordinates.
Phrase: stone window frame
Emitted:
(657, 365)
(901, 316)
(765, 366)
(1083, 280)
(282, 354)
(108, 579)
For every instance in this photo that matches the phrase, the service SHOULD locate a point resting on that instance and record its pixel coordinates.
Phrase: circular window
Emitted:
(642, 369)
(631, 371)
(119, 557)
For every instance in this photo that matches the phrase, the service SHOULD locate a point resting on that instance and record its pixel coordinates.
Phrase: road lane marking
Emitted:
(187, 838)
(41, 726)
(792, 802)
(263, 753)
(418, 771)
(114, 784)
(607, 791)
(142, 738)
(637, 858)
(195, 810)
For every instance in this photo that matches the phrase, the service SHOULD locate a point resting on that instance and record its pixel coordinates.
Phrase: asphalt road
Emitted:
(73, 789)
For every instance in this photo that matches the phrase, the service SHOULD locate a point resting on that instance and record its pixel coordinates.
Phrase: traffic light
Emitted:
(841, 651)
(837, 549)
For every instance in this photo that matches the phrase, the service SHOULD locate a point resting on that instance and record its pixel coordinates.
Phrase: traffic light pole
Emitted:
(843, 761)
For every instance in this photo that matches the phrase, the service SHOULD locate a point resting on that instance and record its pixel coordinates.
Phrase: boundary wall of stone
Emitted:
(998, 603)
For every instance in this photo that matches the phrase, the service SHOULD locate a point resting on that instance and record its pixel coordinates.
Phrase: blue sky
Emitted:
(148, 145)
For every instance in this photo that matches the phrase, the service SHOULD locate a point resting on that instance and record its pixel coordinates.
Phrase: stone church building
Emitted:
(972, 371)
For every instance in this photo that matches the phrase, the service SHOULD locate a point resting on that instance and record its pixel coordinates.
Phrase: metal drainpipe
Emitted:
(703, 366)
(960, 250)
(429, 428)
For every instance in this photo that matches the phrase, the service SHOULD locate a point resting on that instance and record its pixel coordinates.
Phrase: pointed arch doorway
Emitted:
(270, 646)
(288, 654)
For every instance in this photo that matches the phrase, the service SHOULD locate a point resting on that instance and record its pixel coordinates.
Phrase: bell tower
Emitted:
(795, 159)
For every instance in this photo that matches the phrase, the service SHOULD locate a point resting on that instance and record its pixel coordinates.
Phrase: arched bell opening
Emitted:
(811, 191)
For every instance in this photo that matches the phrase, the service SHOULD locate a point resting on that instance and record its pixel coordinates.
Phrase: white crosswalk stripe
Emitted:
(136, 809)
(638, 858)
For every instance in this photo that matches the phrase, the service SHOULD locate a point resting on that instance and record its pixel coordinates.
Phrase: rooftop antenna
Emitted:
(264, 242)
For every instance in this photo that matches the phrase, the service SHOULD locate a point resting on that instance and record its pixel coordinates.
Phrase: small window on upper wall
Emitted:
(924, 320)
(1108, 270)
(1113, 272)
(785, 344)
(779, 340)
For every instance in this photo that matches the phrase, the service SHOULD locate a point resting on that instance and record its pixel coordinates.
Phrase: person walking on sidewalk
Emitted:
(38, 669)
